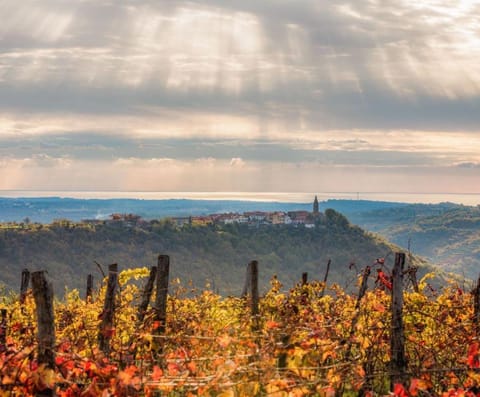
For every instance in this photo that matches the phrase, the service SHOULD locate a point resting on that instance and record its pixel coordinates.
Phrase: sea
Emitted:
(283, 197)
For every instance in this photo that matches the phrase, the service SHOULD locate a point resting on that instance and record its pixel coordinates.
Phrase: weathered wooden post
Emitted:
(24, 285)
(251, 284)
(3, 330)
(282, 358)
(476, 307)
(398, 362)
(325, 278)
(147, 294)
(43, 296)
(248, 279)
(254, 287)
(89, 292)
(163, 271)
(160, 317)
(327, 271)
(106, 330)
(304, 278)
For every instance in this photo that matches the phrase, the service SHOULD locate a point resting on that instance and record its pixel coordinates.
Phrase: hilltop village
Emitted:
(251, 218)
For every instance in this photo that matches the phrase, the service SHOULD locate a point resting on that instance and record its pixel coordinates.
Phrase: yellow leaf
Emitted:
(226, 393)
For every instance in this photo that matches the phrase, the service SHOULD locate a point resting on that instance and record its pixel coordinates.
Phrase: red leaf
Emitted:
(472, 356)
(157, 373)
(399, 390)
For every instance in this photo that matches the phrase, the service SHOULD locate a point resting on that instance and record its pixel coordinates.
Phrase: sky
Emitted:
(249, 95)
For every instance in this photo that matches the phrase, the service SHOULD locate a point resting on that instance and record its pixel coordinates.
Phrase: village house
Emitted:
(256, 215)
(299, 217)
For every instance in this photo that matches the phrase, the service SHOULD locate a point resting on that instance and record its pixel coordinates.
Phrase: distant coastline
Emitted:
(282, 197)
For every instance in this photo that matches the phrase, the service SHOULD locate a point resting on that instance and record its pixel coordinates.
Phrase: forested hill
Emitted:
(447, 234)
(211, 254)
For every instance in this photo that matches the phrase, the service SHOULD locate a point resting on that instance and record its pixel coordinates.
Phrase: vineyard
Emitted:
(312, 340)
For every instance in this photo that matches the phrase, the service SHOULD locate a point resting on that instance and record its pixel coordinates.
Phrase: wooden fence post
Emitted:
(3, 331)
(304, 278)
(282, 358)
(254, 287)
(147, 294)
(248, 279)
(43, 296)
(327, 271)
(106, 330)
(325, 278)
(160, 318)
(398, 363)
(24, 285)
(88, 295)
(476, 307)
(163, 271)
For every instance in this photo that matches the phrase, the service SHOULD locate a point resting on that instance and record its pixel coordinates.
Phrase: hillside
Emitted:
(447, 234)
(203, 254)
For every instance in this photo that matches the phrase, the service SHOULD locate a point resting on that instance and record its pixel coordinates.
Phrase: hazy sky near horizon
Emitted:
(225, 95)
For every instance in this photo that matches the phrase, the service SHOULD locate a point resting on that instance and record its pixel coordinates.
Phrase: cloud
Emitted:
(223, 85)
(237, 162)
(36, 161)
(311, 61)
(378, 149)
(167, 175)
(469, 165)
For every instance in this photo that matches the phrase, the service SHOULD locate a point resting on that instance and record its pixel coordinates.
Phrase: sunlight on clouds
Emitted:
(205, 48)
(190, 49)
(201, 48)
(420, 48)
(210, 48)
(455, 147)
(132, 174)
(160, 124)
(36, 21)
(284, 79)
(440, 143)
(206, 125)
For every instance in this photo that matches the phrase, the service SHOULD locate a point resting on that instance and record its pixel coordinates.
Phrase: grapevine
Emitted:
(305, 342)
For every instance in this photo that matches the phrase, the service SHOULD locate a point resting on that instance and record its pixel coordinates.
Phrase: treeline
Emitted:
(213, 255)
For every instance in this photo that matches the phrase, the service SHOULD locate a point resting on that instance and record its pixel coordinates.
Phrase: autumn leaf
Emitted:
(270, 324)
(157, 373)
(416, 385)
(399, 390)
(472, 356)
(192, 367)
(173, 369)
(224, 341)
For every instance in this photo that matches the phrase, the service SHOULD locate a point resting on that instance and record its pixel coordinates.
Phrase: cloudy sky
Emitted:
(247, 95)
